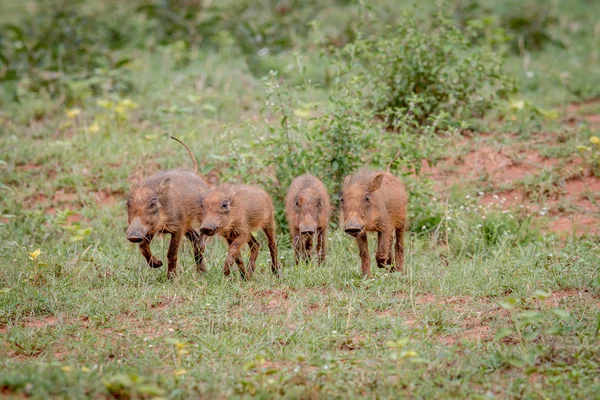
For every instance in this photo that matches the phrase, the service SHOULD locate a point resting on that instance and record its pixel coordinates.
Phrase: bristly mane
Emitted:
(362, 177)
(306, 181)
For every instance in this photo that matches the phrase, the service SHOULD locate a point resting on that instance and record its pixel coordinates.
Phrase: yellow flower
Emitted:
(120, 109)
(85, 369)
(302, 113)
(66, 368)
(179, 372)
(409, 354)
(105, 103)
(35, 254)
(73, 112)
(595, 140)
(181, 345)
(94, 127)
(127, 103)
(517, 105)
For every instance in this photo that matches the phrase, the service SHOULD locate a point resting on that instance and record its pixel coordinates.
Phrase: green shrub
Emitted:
(63, 50)
(526, 25)
(365, 122)
(329, 142)
(422, 72)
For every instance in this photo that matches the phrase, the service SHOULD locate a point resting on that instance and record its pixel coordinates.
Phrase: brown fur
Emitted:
(167, 202)
(375, 202)
(307, 209)
(234, 212)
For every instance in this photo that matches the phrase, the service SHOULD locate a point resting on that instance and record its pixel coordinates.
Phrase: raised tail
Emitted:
(391, 162)
(189, 152)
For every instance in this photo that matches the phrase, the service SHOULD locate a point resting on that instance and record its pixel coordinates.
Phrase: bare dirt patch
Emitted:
(35, 199)
(28, 167)
(37, 323)
(107, 198)
(558, 298)
(64, 197)
(576, 224)
(586, 111)
(277, 300)
(501, 166)
(572, 202)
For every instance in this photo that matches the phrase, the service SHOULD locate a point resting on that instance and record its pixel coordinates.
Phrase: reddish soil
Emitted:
(37, 323)
(63, 197)
(572, 202)
(28, 167)
(106, 198)
(579, 111)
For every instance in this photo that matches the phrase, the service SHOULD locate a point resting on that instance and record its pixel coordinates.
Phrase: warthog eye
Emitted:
(225, 205)
(368, 198)
(153, 202)
(319, 203)
(296, 203)
(341, 199)
(128, 203)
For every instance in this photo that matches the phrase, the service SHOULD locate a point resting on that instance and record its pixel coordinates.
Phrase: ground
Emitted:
(500, 296)
(130, 330)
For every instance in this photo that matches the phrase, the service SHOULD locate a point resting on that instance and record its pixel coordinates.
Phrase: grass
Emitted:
(494, 302)
(318, 330)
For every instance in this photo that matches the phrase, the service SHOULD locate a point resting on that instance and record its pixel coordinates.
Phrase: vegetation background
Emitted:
(493, 106)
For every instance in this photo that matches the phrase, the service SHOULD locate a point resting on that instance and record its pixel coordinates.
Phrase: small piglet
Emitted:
(234, 212)
(307, 209)
(167, 202)
(375, 202)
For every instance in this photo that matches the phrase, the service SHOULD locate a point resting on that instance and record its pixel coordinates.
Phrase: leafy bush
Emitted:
(429, 85)
(426, 73)
(330, 142)
(70, 50)
(65, 50)
(527, 24)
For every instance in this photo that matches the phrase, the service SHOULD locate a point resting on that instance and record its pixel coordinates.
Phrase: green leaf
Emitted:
(530, 335)
(502, 333)
(541, 295)
(562, 314)
(555, 330)
(530, 318)
(249, 365)
(509, 303)
(516, 362)
(150, 390)
(397, 344)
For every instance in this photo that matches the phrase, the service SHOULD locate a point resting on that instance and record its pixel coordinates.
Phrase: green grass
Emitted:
(492, 304)
(101, 313)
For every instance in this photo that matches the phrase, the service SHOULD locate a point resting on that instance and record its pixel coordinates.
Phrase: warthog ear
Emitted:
(164, 186)
(135, 182)
(346, 180)
(376, 183)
